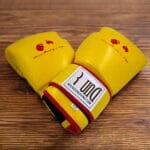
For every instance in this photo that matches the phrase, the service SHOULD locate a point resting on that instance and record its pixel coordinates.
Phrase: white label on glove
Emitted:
(84, 87)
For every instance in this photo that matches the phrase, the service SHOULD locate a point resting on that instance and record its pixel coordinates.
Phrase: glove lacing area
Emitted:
(62, 114)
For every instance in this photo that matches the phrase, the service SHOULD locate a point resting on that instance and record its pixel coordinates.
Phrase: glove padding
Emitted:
(39, 58)
(104, 63)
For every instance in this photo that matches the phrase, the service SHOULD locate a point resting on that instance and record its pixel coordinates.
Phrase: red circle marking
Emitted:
(115, 41)
(39, 47)
(49, 42)
(125, 48)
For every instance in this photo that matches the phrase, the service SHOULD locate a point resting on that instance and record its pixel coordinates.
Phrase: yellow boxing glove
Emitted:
(104, 63)
(38, 58)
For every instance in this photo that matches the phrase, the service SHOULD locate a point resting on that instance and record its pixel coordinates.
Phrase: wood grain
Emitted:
(25, 123)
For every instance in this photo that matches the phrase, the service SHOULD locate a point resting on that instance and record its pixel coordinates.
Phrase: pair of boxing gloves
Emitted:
(76, 86)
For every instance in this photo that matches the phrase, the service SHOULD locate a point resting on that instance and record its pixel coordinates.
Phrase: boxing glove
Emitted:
(104, 63)
(38, 58)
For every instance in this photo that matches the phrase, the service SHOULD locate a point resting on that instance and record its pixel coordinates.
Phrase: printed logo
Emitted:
(46, 47)
(84, 87)
(119, 47)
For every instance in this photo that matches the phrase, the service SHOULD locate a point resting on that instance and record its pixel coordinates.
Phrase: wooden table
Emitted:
(25, 123)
